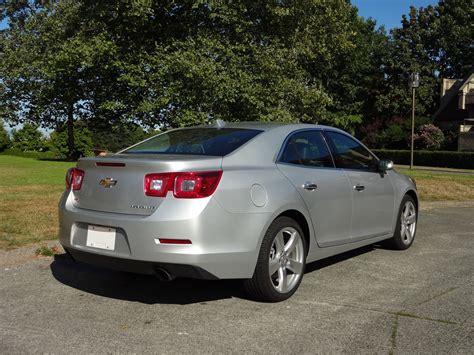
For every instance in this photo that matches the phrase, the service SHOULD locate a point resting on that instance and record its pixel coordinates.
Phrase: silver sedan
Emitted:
(250, 201)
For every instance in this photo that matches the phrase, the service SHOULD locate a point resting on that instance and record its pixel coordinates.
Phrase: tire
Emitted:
(405, 229)
(283, 251)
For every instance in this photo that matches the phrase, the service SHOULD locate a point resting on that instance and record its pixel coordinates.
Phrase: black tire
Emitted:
(399, 241)
(261, 286)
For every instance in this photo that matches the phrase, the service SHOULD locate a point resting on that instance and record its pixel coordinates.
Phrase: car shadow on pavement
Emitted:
(149, 290)
(320, 264)
(140, 288)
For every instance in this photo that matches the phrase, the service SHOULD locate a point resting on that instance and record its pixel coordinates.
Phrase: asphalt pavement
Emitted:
(371, 300)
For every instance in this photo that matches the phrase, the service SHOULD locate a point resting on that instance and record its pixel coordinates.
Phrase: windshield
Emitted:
(197, 141)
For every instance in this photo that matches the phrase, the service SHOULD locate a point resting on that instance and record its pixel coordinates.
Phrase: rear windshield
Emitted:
(197, 141)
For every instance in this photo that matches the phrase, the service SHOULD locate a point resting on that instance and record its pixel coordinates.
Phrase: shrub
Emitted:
(429, 137)
(31, 154)
(390, 133)
(443, 159)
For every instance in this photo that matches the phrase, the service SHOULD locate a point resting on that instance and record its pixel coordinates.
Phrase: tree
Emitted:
(4, 137)
(454, 37)
(58, 141)
(46, 67)
(174, 63)
(436, 42)
(117, 136)
(28, 138)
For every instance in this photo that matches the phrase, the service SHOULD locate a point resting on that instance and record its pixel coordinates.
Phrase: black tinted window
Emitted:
(307, 148)
(198, 141)
(349, 154)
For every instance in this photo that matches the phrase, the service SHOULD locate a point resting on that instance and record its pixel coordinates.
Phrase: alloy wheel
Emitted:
(286, 260)
(408, 222)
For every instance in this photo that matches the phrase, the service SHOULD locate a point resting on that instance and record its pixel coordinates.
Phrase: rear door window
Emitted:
(307, 148)
(196, 141)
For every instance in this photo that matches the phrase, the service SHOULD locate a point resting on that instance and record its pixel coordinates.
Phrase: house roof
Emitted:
(453, 93)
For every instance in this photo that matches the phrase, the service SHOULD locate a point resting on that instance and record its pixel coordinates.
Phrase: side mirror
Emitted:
(385, 165)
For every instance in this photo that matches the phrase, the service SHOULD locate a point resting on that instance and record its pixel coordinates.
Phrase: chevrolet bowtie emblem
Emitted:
(108, 182)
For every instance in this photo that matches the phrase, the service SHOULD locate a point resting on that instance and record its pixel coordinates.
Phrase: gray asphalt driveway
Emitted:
(370, 300)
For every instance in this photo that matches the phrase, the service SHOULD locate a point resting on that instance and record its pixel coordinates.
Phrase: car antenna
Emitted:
(220, 123)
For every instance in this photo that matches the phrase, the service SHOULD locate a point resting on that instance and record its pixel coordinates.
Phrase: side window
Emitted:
(307, 148)
(349, 154)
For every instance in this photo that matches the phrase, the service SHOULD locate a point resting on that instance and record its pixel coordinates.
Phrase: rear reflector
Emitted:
(184, 185)
(110, 164)
(174, 241)
(74, 178)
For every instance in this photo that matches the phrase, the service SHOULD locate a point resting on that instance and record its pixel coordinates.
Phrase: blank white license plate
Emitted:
(101, 237)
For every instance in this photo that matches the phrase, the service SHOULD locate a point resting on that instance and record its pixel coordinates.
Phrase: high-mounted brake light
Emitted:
(183, 185)
(109, 164)
(74, 178)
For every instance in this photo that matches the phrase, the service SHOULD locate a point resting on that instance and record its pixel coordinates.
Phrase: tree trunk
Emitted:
(70, 132)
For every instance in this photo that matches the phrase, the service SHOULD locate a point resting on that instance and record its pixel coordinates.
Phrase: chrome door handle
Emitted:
(359, 187)
(310, 186)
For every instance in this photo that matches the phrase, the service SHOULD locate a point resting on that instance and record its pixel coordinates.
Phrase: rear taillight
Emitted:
(158, 185)
(183, 185)
(196, 185)
(74, 178)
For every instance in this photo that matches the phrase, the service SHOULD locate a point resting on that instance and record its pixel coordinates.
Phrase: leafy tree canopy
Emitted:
(122, 63)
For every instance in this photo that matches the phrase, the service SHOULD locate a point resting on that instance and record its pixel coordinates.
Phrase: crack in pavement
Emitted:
(393, 337)
(397, 315)
(401, 313)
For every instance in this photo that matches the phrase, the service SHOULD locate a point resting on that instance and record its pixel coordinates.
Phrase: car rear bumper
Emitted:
(140, 267)
(224, 245)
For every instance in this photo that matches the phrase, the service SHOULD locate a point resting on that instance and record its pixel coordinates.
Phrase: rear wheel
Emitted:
(281, 262)
(406, 225)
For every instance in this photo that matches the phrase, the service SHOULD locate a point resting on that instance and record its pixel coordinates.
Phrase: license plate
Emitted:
(101, 237)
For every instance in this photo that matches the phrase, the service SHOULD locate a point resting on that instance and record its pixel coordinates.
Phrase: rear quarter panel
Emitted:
(252, 183)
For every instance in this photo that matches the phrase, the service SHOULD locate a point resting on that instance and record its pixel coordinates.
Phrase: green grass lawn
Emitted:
(30, 190)
(442, 185)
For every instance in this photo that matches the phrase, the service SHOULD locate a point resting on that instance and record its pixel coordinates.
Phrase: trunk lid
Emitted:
(118, 185)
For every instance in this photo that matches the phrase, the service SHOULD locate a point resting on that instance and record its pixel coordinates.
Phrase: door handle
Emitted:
(359, 187)
(310, 186)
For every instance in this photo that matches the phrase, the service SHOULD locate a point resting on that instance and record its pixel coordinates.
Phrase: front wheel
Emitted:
(281, 262)
(406, 225)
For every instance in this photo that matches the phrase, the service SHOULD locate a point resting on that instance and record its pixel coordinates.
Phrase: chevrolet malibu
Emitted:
(252, 201)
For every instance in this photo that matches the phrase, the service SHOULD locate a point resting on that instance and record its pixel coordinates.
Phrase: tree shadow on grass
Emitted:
(149, 290)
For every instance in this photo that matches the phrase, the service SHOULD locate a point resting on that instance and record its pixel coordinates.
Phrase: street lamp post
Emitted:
(414, 83)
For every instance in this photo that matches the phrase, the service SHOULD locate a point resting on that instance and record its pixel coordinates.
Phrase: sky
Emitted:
(388, 12)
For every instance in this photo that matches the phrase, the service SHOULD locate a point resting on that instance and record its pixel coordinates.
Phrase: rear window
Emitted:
(196, 141)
